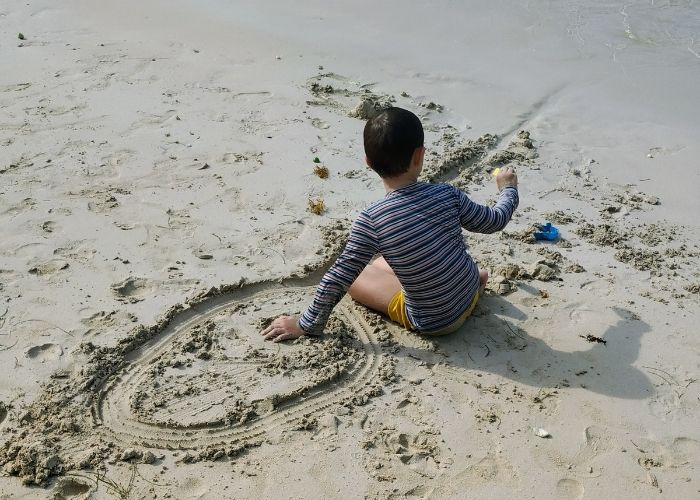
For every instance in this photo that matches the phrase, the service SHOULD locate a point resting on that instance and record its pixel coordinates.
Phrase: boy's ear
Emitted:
(418, 155)
(368, 162)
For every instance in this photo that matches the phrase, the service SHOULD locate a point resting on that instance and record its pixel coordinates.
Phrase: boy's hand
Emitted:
(506, 177)
(282, 328)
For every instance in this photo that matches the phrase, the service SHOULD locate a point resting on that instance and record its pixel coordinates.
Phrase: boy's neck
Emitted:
(399, 181)
(394, 183)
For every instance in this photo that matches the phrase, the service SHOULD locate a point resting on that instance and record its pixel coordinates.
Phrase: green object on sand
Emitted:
(21, 36)
(316, 159)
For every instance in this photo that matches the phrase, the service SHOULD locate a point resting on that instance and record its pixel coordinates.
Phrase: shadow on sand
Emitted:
(491, 343)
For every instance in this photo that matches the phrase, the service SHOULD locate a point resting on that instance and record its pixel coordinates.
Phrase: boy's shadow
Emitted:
(489, 343)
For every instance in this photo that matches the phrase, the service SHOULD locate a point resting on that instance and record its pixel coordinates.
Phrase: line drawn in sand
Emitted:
(224, 388)
(239, 393)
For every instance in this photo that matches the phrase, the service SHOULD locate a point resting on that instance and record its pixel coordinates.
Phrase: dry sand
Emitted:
(157, 199)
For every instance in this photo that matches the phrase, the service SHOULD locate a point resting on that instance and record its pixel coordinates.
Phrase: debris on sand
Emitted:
(593, 338)
(316, 88)
(316, 206)
(321, 171)
(541, 433)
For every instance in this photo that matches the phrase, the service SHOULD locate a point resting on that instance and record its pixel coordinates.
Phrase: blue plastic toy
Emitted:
(546, 232)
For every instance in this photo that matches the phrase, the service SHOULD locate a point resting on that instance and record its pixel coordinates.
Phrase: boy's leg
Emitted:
(376, 286)
(381, 263)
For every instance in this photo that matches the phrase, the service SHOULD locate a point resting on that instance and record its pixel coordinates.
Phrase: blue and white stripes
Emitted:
(418, 230)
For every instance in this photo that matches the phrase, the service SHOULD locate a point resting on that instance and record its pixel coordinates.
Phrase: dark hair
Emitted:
(390, 138)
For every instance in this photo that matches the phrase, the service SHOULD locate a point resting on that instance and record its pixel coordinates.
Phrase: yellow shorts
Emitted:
(397, 312)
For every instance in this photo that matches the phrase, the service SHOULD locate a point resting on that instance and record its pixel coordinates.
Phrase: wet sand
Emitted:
(159, 169)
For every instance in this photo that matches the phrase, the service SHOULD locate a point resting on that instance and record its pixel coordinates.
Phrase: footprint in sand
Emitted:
(597, 318)
(676, 454)
(19, 207)
(119, 158)
(320, 124)
(47, 111)
(193, 488)
(157, 119)
(78, 250)
(49, 267)
(490, 469)
(101, 321)
(410, 449)
(29, 250)
(49, 226)
(569, 489)
(675, 392)
(179, 219)
(17, 87)
(110, 164)
(23, 162)
(70, 488)
(102, 202)
(243, 163)
(131, 289)
(44, 352)
(597, 442)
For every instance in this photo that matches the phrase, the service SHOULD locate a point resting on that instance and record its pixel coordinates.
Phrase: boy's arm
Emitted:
(482, 219)
(362, 245)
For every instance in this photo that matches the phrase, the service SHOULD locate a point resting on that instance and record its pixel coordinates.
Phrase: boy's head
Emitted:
(391, 139)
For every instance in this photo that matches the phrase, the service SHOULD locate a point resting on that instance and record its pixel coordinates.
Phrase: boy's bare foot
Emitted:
(483, 278)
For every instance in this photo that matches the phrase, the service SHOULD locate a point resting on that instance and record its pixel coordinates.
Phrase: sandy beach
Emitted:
(173, 175)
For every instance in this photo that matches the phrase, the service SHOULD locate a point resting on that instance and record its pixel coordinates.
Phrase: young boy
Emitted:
(425, 279)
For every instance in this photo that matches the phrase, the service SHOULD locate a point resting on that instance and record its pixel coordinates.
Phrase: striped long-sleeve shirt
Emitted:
(418, 230)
